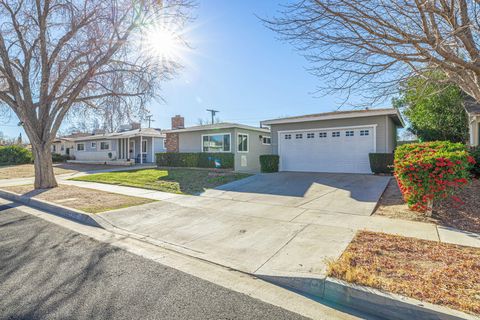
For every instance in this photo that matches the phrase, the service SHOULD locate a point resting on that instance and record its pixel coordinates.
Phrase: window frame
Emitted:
(298, 136)
(109, 145)
(223, 141)
(266, 143)
(323, 134)
(287, 136)
(248, 142)
(336, 134)
(92, 143)
(364, 133)
(349, 133)
(78, 144)
(144, 141)
(310, 135)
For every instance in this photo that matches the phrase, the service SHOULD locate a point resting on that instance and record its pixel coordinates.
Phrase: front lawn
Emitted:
(181, 181)
(28, 171)
(430, 271)
(88, 200)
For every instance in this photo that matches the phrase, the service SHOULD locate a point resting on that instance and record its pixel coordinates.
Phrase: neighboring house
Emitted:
(334, 141)
(245, 142)
(473, 111)
(65, 145)
(122, 148)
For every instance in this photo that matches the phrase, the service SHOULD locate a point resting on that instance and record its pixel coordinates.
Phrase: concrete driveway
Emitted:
(330, 192)
(283, 225)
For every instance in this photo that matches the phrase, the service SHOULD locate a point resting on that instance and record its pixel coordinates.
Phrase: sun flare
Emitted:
(163, 42)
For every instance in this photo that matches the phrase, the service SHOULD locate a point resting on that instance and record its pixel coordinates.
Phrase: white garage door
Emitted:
(332, 150)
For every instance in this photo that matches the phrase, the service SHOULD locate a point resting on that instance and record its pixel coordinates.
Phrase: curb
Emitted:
(52, 208)
(367, 300)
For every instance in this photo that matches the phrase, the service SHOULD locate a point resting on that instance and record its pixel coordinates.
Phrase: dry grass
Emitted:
(448, 213)
(438, 273)
(27, 170)
(88, 200)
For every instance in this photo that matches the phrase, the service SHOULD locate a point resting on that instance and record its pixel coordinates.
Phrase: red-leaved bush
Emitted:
(431, 170)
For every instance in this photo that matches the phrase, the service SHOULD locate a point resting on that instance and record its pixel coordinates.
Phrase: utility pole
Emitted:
(149, 119)
(213, 112)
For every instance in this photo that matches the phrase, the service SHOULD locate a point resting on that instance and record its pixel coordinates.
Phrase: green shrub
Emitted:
(381, 162)
(431, 170)
(56, 157)
(15, 155)
(269, 162)
(196, 160)
(475, 153)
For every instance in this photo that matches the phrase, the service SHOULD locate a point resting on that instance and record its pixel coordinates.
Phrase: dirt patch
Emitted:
(464, 216)
(438, 273)
(88, 200)
(27, 170)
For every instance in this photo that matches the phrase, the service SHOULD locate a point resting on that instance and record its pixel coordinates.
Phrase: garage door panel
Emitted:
(326, 152)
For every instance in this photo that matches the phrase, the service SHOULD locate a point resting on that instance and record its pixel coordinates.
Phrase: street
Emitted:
(49, 272)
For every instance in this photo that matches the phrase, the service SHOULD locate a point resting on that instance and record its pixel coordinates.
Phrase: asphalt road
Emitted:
(49, 272)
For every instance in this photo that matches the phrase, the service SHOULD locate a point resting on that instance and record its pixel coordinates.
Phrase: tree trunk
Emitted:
(44, 177)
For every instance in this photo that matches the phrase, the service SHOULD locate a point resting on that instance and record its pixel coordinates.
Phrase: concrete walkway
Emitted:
(268, 240)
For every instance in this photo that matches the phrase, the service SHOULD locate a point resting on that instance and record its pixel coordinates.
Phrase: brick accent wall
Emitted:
(172, 142)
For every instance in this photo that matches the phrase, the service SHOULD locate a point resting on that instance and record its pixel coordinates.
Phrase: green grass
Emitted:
(181, 181)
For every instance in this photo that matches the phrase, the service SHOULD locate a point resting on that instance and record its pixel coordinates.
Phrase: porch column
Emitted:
(153, 152)
(128, 148)
(141, 150)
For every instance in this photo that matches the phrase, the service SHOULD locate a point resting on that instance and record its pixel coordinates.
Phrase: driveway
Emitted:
(329, 192)
(283, 225)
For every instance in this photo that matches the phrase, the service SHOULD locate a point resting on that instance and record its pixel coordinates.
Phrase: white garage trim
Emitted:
(280, 132)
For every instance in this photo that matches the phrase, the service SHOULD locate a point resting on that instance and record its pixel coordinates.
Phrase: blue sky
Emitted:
(238, 67)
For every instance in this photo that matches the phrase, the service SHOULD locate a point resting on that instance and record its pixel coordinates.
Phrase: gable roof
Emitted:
(394, 113)
(471, 106)
(222, 125)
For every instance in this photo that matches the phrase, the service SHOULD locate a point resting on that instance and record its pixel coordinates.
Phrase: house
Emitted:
(128, 146)
(334, 141)
(245, 142)
(473, 111)
(65, 145)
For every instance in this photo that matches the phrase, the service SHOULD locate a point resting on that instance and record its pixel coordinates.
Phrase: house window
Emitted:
(310, 135)
(242, 142)
(266, 140)
(80, 147)
(336, 134)
(93, 145)
(288, 137)
(216, 143)
(322, 134)
(62, 147)
(164, 143)
(54, 148)
(364, 132)
(298, 136)
(144, 146)
(104, 145)
(349, 133)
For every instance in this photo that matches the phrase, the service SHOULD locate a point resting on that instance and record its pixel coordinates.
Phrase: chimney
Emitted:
(178, 122)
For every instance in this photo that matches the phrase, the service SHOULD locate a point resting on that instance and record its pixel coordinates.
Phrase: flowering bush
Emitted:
(431, 170)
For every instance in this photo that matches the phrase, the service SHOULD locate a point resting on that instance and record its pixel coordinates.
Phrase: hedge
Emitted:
(475, 153)
(15, 155)
(381, 162)
(56, 157)
(269, 163)
(431, 170)
(196, 160)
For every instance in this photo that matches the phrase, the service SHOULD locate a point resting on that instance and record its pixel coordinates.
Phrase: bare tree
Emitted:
(59, 56)
(369, 46)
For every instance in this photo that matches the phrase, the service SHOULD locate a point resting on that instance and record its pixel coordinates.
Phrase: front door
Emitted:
(131, 151)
